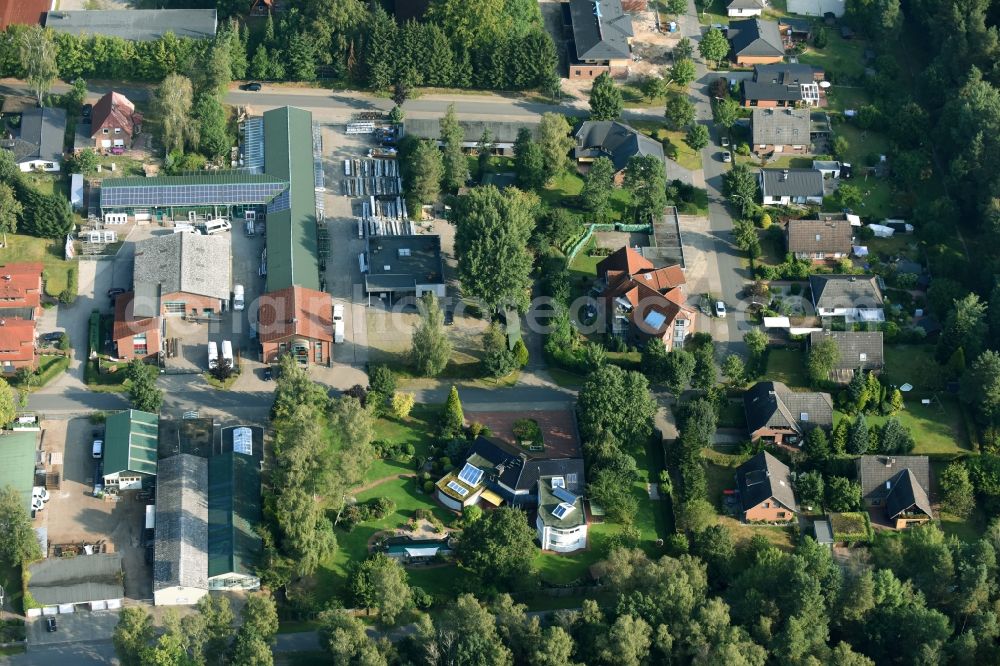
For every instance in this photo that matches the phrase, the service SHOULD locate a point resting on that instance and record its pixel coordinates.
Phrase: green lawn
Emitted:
(21, 248)
(673, 143)
(583, 264)
(49, 367)
(332, 577)
(913, 364)
(840, 98)
(938, 428)
(787, 366)
(841, 59)
(417, 430)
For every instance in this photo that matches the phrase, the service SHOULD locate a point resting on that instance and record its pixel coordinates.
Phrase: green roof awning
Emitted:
(130, 442)
(17, 462)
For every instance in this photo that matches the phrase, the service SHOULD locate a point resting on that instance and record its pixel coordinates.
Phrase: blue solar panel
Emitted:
(121, 196)
(564, 495)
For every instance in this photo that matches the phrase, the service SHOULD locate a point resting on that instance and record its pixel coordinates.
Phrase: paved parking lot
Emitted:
(75, 516)
(80, 627)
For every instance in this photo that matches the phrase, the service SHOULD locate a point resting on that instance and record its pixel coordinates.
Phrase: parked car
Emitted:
(238, 302)
(50, 624)
(268, 374)
(97, 451)
(725, 142)
(36, 504)
(449, 316)
(86, 110)
(52, 338)
(253, 86)
(720, 309)
(115, 291)
(41, 493)
(98, 477)
(727, 156)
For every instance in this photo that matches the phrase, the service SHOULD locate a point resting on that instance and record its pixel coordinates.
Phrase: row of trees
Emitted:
(204, 637)
(323, 449)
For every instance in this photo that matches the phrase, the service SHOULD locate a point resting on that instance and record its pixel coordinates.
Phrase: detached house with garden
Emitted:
(857, 298)
(894, 489)
(764, 486)
(602, 38)
(777, 415)
(642, 302)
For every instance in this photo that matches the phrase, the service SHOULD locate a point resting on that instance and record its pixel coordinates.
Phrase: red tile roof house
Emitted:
(298, 321)
(113, 122)
(644, 302)
(135, 337)
(765, 490)
(17, 345)
(21, 290)
(20, 306)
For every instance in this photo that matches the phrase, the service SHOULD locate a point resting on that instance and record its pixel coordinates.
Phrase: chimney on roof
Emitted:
(889, 461)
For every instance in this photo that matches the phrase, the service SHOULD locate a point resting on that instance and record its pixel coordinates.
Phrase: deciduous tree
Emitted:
(734, 370)
(598, 184)
(556, 142)
(380, 583)
(37, 53)
(682, 72)
(646, 181)
(725, 112)
(739, 184)
(529, 161)
(132, 635)
(605, 99)
(713, 46)
(696, 136)
(842, 494)
(456, 169)
(499, 547)
(173, 101)
(345, 638)
(491, 241)
(956, 490)
(823, 357)
(426, 171)
(498, 359)
(678, 111)
(615, 402)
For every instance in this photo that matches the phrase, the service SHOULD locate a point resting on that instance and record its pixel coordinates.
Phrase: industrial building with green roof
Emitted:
(17, 462)
(233, 511)
(282, 176)
(130, 446)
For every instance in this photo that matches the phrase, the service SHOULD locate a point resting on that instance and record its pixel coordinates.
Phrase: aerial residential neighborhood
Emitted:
(509, 332)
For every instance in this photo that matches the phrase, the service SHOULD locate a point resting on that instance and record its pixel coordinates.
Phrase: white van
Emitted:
(184, 228)
(338, 332)
(227, 351)
(238, 297)
(213, 355)
(217, 226)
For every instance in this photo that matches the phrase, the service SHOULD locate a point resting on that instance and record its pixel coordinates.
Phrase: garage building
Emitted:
(234, 510)
(399, 266)
(61, 584)
(130, 443)
(17, 463)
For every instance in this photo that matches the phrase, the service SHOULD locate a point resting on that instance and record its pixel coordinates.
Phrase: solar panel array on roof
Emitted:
(243, 441)
(564, 495)
(190, 194)
(470, 474)
(458, 488)
(562, 510)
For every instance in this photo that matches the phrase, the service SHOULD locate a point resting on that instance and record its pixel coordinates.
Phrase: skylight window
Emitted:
(564, 495)
(558, 482)
(243, 441)
(470, 474)
(458, 488)
(562, 510)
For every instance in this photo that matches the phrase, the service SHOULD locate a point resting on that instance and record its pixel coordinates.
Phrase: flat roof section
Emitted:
(17, 463)
(400, 263)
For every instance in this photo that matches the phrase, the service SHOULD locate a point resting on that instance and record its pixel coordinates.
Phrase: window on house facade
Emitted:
(318, 356)
(105, 131)
(139, 343)
(118, 130)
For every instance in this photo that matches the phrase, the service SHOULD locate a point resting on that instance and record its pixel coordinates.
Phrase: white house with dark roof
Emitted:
(38, 145)
(616, 141)
(857, 298)
(561, 519)
(602, 38)
(784, 187)
(780, 131)
(744, 8)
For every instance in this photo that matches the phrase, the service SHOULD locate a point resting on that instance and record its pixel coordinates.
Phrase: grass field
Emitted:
(913, 364)
(21, 248)
(842, 59)
(561, 191)
(674, 146)
(417, 430)
(787, 366)
(938, 428)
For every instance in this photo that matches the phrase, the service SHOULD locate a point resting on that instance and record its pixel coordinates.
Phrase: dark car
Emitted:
(449, 317)
(251, 87)
(86, 110)
(268, 374)
(115, 291)
(50, 624)
(53, 337)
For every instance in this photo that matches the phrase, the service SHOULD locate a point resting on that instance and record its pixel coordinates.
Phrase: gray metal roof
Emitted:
(902, 481)
(190, 263)
(764, 477)
(783, 127)
(616, 141)
(755, 37)
(76, 580)
(41, 136)
(181, 523)
(845, 291)
(823, 532)
(745, 4)
(774, 405)
(601, 29)
(791, 182)
(136, 24)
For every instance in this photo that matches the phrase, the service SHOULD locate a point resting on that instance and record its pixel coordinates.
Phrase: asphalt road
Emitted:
(732, 275)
